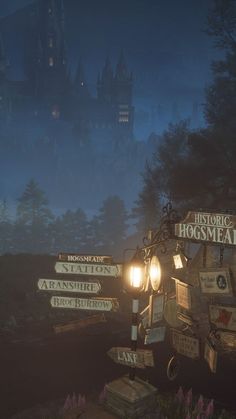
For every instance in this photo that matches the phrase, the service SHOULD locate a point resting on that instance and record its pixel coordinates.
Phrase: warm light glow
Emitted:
(136, 276)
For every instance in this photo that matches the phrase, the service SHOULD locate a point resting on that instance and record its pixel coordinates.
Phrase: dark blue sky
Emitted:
(163, 40)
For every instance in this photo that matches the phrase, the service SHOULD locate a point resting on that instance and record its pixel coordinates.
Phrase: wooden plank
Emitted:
(215, 281)
(224, 317)
(210, 355)
(88, 269)
(186, 345)
(97, 304)
(84, 258)
(136, 359)
(83, 287)
(79, 324)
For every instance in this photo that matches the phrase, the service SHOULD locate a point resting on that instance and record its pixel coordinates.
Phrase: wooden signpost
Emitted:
(83, 287)
(88, 269)
(98, 304)
(138, 359)
(186, 345)
(208, 227)
(75, 257)
(215, 281)
(210, 355)
(224, 317)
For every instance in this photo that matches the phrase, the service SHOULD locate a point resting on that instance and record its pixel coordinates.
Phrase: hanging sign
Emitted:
(138, 359)
(88, 269)
(186, 345)
(86, 287)
(154, 335)
(100, 304)
(208, 227)
(210, 355)
(215, 281)
(183, 295)
(227, 338)
(224, 317)
(74, 257)
(156, 308)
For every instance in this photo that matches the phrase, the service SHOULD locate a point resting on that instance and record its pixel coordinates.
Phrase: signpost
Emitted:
(137, 359)
(85, 287)
(88, 269)
(74, 257)
(98, 304)
(208, 227)
(224, 317)
(186, 345)
(215, 281)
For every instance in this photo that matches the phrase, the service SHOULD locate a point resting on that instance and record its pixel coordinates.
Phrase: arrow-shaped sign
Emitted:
(86, 287)
(88, 269)
(138, 359)
(97, 304)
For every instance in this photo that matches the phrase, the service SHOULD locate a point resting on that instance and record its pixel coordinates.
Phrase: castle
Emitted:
(47, 90)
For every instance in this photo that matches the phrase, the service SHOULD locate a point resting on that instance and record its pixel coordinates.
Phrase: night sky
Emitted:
(164, 43)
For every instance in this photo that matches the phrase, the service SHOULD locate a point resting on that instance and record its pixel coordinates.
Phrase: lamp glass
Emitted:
(136, 276)
(155, 273)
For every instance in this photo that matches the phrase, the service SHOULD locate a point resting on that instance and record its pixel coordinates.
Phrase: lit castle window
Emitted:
(50, 43)
(50, 62)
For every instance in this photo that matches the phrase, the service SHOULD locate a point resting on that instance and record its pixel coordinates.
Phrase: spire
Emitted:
(121, 68)
(107, 73)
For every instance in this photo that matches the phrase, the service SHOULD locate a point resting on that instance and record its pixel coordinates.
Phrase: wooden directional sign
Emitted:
(97, 304)
(186, 345)
(80, 258)
(215, 281)
(79, 324)
(208, 227)
(210, 355)
(85, 287)
(88, 269)
(154, 335)
(138, 359)
(224, 317)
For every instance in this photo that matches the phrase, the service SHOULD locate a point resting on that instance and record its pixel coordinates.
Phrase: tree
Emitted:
(5, 228)
(32, 220)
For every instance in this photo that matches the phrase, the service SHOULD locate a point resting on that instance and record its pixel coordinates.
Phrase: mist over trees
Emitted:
(197, 168)
(37, 230)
